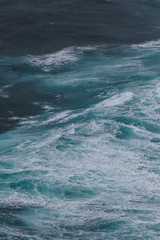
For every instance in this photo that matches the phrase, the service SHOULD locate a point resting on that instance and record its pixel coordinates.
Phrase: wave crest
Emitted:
(66, 56)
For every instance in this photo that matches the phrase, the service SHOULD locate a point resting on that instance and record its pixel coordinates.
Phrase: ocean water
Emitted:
(80, 121)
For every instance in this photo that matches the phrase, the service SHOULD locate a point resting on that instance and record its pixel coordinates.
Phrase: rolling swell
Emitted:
(79, 120)
(80, 154)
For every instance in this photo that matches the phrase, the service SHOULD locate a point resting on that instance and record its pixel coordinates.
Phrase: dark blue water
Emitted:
(79, 120)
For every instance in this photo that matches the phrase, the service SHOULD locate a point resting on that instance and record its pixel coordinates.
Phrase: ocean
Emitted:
(79, 120)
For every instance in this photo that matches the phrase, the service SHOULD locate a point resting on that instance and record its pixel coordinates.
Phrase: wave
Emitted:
(64, 57)
(149, 45)
(116, 100)
(76, 140)
(69, 77)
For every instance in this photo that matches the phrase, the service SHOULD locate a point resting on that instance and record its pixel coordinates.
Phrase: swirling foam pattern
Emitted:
(80, 138)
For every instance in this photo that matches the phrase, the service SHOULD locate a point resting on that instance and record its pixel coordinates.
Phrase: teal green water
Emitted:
(79, 144)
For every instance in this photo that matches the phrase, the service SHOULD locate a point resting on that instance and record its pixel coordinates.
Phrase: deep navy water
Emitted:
(80, 119)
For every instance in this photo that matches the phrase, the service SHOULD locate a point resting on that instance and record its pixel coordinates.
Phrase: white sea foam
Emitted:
(116, 100)
(57, 117)
(148, 45)
(66, 116)
(83, 157)
(66, 56)
(3, 91)
(51, 118)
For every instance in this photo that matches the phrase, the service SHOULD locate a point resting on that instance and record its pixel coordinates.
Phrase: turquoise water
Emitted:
(80, 138)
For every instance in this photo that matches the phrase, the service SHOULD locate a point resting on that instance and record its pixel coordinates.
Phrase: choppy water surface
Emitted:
(79, 142)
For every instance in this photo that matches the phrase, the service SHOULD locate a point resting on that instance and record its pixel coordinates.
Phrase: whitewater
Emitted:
(80, 138)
